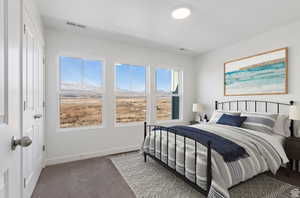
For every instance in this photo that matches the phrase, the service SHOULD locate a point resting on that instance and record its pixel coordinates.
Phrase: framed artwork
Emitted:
(262, 74)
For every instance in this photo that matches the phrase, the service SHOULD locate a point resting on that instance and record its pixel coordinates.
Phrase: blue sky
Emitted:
(163, 80)
(133, 78)
(71, 71)
(128, 77)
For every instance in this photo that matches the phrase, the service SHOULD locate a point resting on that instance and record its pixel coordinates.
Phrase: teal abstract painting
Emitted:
(261, 74)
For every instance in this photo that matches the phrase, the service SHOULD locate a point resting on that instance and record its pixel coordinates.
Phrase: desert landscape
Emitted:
(164, 108)
(131, 109)
(80, 112)
(87, 111)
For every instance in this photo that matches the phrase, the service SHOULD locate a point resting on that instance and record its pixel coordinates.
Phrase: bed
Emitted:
(201, 166)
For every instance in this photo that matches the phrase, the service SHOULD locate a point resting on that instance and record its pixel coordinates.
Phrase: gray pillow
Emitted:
(259, 122)
(282, 126)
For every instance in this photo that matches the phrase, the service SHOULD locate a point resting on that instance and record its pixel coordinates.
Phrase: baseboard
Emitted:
(28, 191)
(82, 156)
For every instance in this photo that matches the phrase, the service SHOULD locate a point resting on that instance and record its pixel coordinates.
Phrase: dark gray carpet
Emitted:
(99, 178)
(92, 178)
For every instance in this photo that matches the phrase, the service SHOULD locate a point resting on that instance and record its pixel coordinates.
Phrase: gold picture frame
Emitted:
(261, 74)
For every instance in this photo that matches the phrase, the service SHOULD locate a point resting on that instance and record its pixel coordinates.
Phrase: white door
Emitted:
(10, 99)
(33, 95)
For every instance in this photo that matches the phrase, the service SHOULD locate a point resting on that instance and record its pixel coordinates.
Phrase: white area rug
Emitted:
(152, 180)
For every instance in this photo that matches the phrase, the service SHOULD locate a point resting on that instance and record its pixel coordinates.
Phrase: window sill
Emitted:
(131, 124)
(80, 128)
(170, 121)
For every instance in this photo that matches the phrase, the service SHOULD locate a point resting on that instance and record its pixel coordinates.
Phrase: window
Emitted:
(168, 94)
(131, 102)
(81, 92)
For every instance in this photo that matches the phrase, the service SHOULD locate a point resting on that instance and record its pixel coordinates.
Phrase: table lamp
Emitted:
(294, 114)
(198, 108)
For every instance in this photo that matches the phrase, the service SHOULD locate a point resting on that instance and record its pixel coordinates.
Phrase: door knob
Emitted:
(23, 142)
(36, 116)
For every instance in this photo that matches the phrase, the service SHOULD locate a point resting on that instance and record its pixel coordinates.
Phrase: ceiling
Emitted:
(212, 24)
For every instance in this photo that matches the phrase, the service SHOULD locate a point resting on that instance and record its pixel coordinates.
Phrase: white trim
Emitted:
(4, 62)
(35, 178)
(115, 91)
(115, 94)
(151, 106)
(168, 67)
(129, 124)
(58, 90)
(29, 19)
(83, 58)
(28, 10)
(168, 121)
(21, 84)
(82, 156)
(87, 128)
(180, 94)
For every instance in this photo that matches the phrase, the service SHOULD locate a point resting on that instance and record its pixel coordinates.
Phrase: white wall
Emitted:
(76, 144)
(210, 75)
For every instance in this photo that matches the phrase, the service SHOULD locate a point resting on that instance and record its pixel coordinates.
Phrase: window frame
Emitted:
(59, 91)
(147, 94)
(180, 94)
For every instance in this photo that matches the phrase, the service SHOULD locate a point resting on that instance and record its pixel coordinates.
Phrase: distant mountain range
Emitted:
(76, 90)
(78, 86)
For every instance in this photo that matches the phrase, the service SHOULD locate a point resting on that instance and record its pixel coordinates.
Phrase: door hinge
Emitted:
(44, 148)
(44, 104)
(24, 105)
(24, 182)
(24, 28)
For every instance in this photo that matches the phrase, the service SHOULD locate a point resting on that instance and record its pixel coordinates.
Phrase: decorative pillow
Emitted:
(231, 120)
(282, 126)
(259, 122)
(218, 113)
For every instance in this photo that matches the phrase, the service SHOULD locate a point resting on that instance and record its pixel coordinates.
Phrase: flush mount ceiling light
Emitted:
(181, 13)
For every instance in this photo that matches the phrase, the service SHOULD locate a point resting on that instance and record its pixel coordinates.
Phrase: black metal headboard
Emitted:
(255, 102)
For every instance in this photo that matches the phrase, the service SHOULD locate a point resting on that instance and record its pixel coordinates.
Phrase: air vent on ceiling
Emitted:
(75, 24)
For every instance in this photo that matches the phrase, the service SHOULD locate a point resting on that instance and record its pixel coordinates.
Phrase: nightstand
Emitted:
(292, 149)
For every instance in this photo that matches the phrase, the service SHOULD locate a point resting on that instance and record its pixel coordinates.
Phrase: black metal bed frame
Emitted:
(246, 102)
(149, 128)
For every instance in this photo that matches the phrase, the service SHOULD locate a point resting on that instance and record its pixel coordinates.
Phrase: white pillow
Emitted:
(282, 126)
(217, 114)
